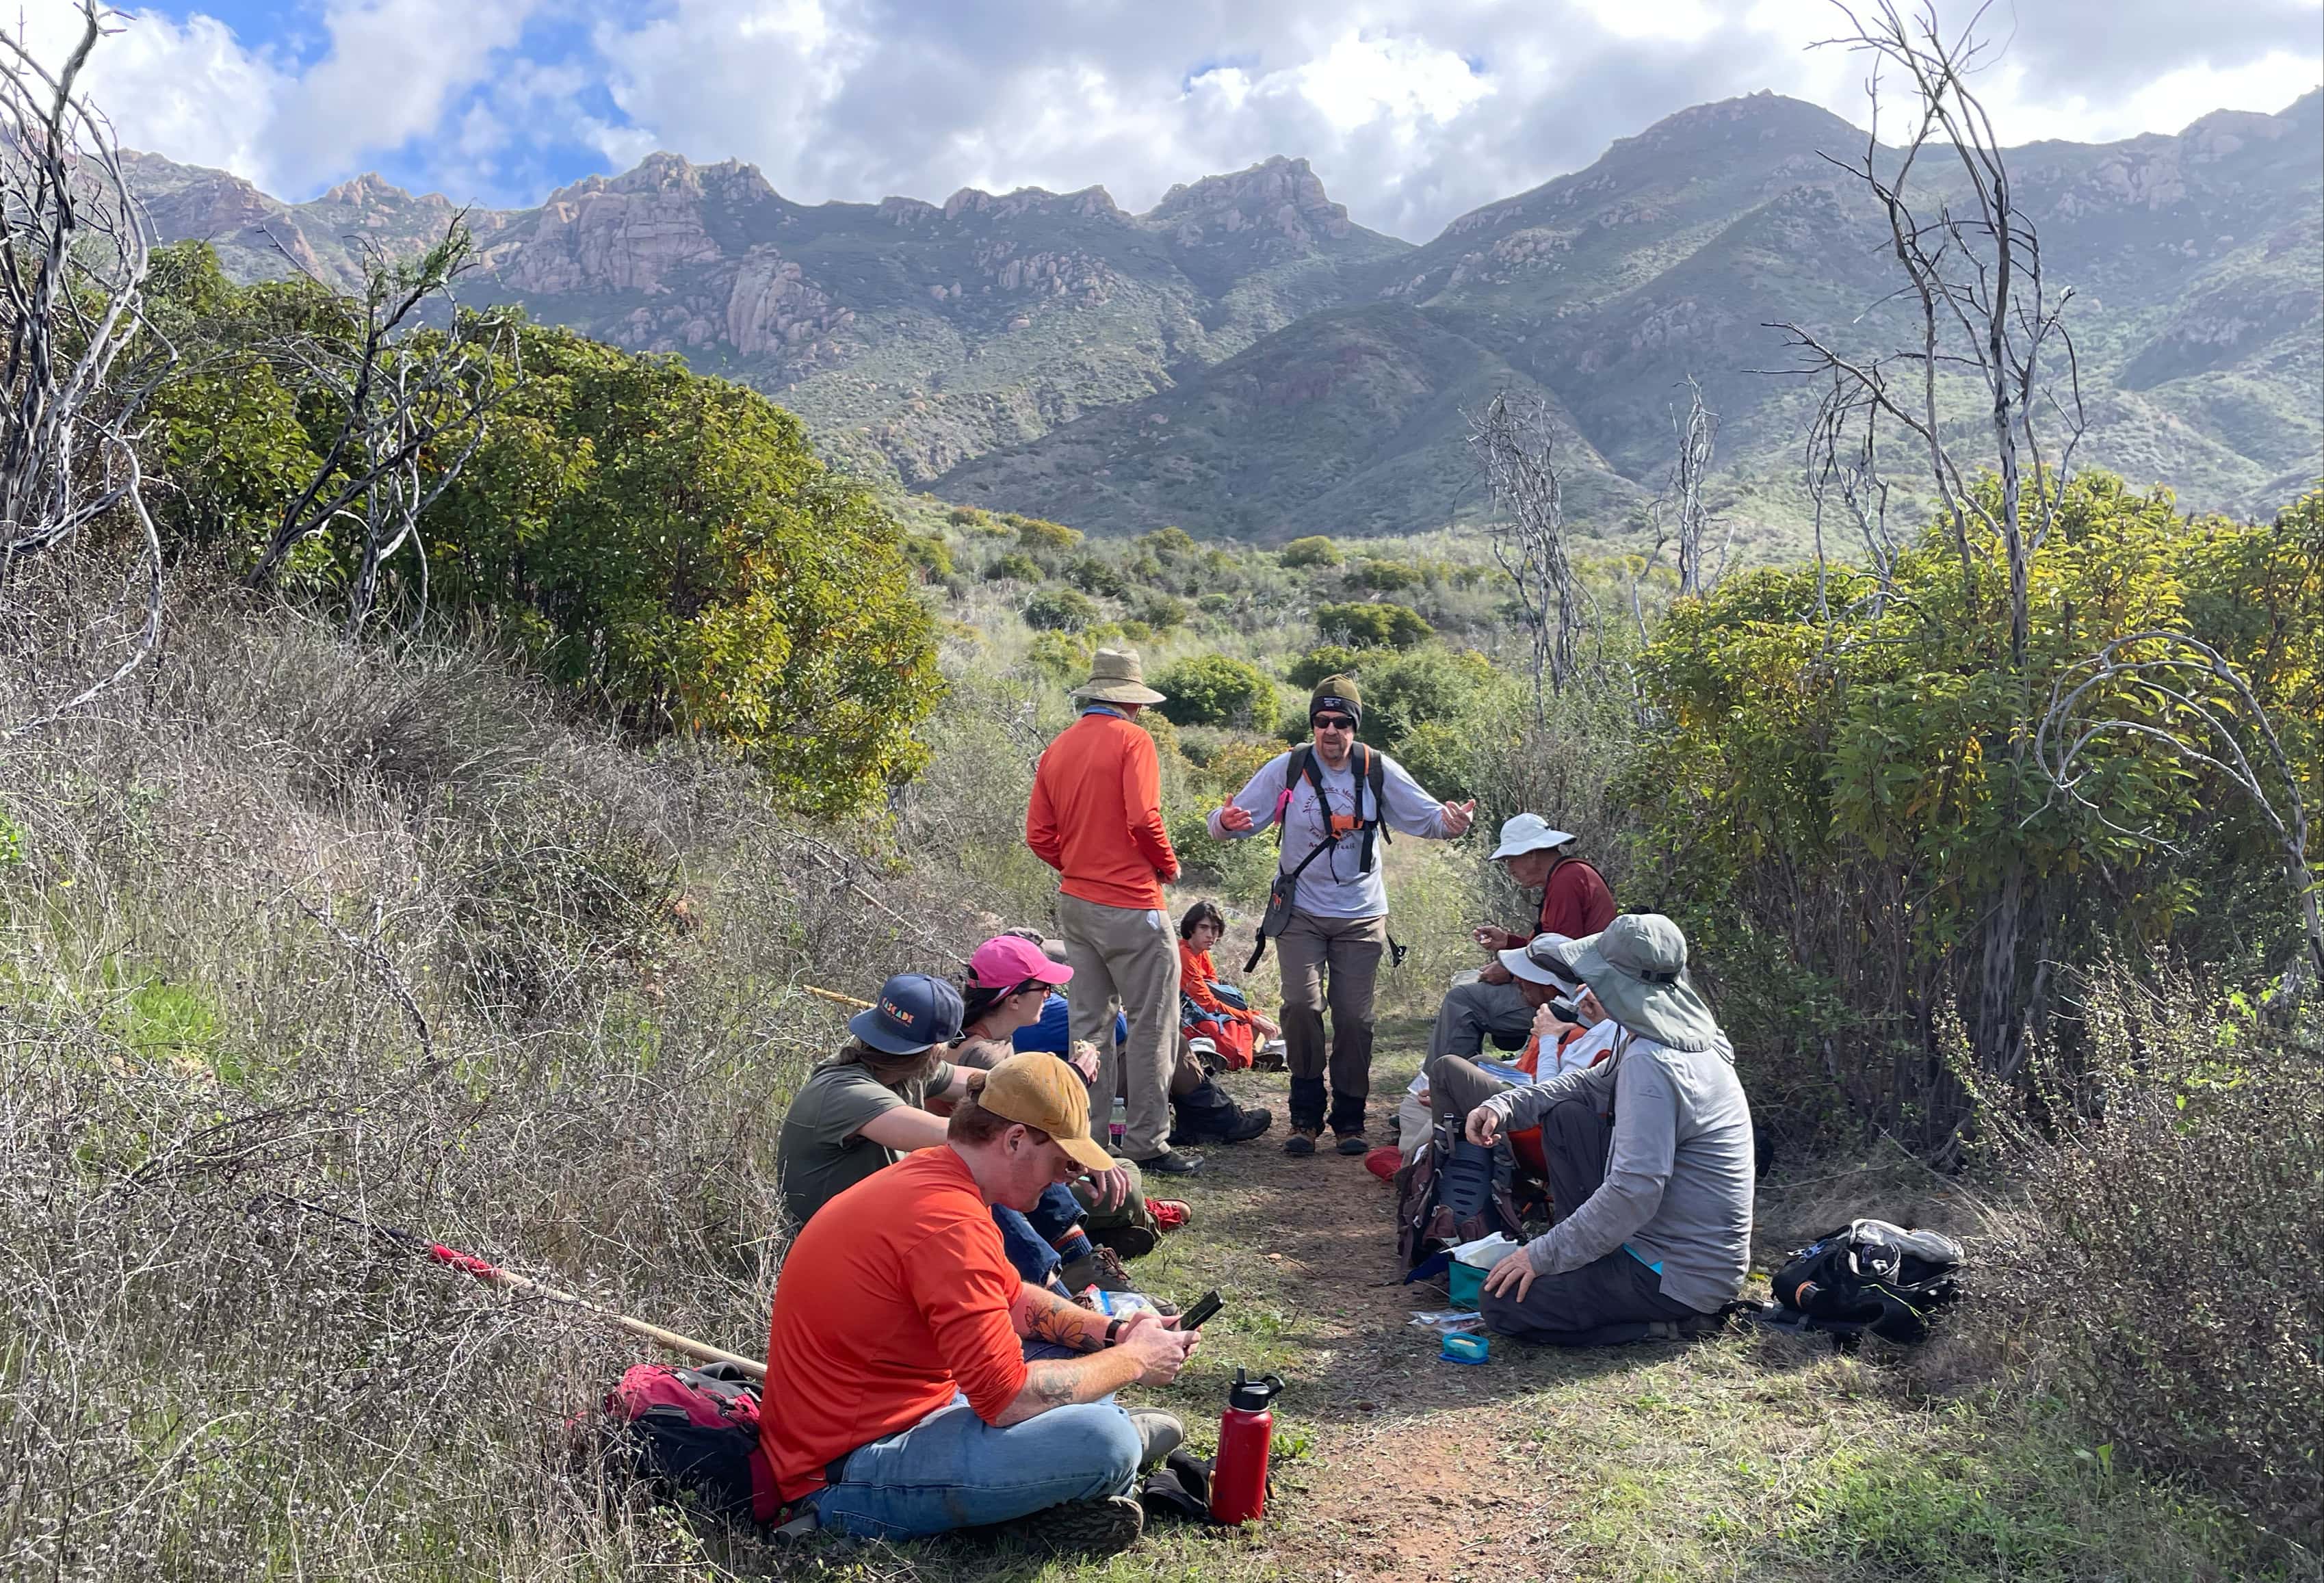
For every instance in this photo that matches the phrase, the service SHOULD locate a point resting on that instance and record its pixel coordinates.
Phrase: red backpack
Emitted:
(695, 1433)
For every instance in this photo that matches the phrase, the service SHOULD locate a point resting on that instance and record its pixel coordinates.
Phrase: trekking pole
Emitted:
(491, 1274)
(836, 999)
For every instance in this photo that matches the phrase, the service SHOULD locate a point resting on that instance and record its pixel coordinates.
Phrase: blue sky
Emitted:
(1412, 111)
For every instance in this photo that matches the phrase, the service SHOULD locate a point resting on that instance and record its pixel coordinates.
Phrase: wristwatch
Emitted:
(1114, 1329)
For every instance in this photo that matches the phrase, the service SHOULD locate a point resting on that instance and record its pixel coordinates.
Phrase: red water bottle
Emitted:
(1239, 1476)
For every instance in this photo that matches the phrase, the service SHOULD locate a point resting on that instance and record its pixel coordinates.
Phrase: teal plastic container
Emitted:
(1465, 1282)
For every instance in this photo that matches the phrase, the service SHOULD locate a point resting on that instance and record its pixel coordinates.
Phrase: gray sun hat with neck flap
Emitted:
(1636, 967)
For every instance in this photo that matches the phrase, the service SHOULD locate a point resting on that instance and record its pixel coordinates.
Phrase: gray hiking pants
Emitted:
(1130, 955)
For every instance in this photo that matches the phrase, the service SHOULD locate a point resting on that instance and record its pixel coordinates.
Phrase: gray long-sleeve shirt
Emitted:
(1334, 886)
(1678, 1176)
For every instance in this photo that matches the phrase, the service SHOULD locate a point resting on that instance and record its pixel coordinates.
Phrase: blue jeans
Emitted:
(951, 1469)
(1029, 1239)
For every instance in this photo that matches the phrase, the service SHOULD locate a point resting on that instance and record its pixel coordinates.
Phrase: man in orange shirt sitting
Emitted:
(899, 1400)
(1096, 817)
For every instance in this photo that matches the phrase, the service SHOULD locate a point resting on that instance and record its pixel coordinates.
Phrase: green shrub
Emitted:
(1016, 566)
(1034, 533)
(1092, 575)
(964, 517)
(1325, 659)
(1162, 612)
(1427, 685)
(1168, 541)
(1062, 656)
(1373, 625)
(1841, 785)
(929, 552)
(1315, 550)
(1060, 610)
(1384, 576)
(1212, 690)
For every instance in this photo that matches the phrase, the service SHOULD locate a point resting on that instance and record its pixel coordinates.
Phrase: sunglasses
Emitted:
(1332, 723)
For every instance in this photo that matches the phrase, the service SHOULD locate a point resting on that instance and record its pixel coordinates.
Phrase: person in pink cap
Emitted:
(1008, 980)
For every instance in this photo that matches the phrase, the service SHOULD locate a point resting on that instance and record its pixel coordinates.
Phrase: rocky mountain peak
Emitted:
(1278, 196)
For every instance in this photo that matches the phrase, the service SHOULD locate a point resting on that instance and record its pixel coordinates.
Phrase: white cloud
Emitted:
(190, 90)
(1411, 110)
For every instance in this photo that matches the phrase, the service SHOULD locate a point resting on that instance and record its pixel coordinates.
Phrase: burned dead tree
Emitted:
(1513, 441)
(1696, 432)
(1981, 313)
(410, 380)
(80, 360)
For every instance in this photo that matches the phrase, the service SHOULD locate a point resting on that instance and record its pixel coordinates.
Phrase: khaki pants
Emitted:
(1128, 954)
(1334, 961)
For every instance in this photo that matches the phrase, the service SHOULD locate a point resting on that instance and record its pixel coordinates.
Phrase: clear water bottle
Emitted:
(1120, 1122)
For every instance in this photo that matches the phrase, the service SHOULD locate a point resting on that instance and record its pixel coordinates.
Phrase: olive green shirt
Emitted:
(823, 1151)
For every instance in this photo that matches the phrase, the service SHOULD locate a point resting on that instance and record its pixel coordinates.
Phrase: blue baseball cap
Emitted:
(913, 1011)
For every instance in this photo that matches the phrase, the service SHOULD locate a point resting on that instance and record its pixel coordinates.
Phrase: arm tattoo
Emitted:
(1054, 1382)
(1047, 1317)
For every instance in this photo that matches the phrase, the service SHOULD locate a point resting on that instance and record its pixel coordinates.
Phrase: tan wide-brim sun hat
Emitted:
(1117, 677)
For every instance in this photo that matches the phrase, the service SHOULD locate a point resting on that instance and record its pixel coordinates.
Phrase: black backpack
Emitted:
(1868, 1275)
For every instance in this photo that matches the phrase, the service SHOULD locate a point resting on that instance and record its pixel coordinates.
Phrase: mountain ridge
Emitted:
(1027, 349)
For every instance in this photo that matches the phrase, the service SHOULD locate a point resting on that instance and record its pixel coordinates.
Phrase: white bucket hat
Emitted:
(1539, 964)
(1529, 832)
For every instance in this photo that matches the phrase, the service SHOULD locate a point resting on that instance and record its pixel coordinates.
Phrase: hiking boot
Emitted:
(1159, 1433)
(1171, 1214)
(1355, 1143)
(1245, 1125)
(1170, 1162)
(1129, 1241)
(1100, 1268)
(1103, 1527)
(1301, 1140)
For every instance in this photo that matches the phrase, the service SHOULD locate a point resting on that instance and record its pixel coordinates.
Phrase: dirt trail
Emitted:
(1414, 1468)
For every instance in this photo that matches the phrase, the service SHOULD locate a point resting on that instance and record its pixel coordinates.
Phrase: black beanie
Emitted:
(1337, 692)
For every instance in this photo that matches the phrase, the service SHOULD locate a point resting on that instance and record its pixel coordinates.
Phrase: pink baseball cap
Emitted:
(1007, 961)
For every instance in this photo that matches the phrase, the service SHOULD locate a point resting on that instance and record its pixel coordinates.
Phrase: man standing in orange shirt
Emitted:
(1096, 818)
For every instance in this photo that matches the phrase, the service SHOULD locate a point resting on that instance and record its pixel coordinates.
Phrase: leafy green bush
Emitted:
(1060, 610)
(1384, 576)
(1034, 533)
(1373, 625)
(661, 544)
(1092, 575)
(1167, 542)
(1016, 566)
(1162, 612)
(1326, 660)
(1212, 690)
(1842, 804)
(1315, 550)
(929, 552)
(1403, 692)
(1062, 656)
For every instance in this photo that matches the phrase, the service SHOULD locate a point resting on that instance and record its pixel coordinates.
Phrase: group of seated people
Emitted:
(929, 1364)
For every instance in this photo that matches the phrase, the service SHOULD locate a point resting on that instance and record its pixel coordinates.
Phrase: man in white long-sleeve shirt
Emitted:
(1330, 815)
(1655, 1200)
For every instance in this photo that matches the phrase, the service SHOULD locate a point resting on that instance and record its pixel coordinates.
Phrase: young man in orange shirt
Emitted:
(899, 1399)
(1096, 818)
